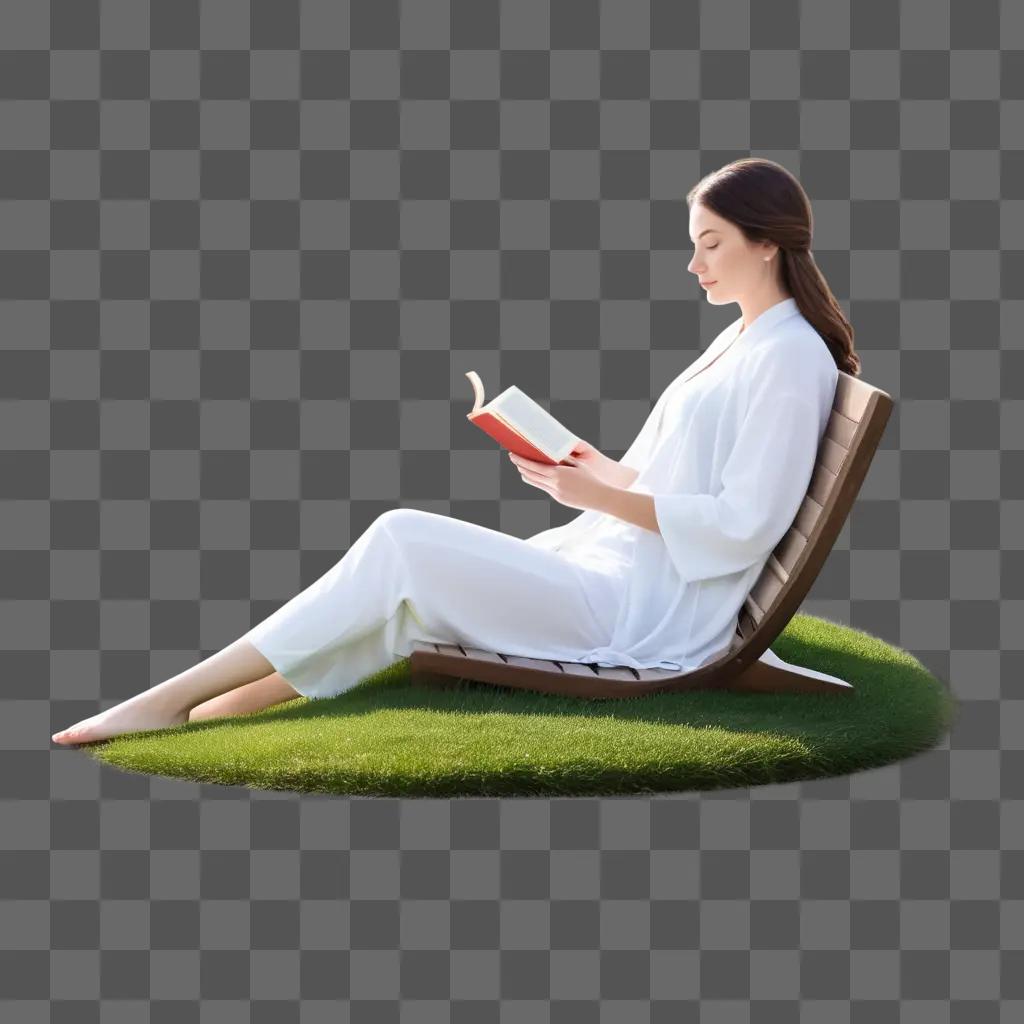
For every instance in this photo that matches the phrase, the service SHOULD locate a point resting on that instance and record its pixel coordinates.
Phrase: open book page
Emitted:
(534, 421)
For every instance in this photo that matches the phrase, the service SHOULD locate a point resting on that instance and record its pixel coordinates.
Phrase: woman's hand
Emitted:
(577, 485)
(596, 461)
(606, 469)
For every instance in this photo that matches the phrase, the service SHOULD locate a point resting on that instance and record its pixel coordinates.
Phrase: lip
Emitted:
(707, 284)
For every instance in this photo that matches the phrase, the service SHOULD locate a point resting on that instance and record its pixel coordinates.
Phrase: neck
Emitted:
(753, 308)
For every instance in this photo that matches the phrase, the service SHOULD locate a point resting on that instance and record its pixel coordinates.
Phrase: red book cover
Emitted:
(502, 432)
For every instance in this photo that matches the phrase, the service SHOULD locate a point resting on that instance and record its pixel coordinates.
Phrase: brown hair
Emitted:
(767, 203)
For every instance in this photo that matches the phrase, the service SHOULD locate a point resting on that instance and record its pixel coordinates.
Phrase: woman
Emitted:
(671, 537)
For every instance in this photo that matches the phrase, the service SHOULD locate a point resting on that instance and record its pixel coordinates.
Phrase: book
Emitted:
(520, 424)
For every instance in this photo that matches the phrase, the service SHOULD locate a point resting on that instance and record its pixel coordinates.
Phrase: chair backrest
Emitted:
(859, 415)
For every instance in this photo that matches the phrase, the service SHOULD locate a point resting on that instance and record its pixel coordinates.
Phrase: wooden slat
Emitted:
(831, 455)
(575, 668)
(766, 589)
(451, 650)
(851, 397)
(623, 673)
(655, 675)
(755, 607)
(776, 568)
(807, 516)
(841, 429)
(822, 482)
(745, 623)
(477, 652)
(516, 661)
(789, 549)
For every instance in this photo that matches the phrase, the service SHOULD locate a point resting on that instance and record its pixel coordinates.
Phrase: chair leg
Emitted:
(770, 674)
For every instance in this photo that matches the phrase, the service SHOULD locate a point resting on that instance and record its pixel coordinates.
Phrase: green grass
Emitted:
(387, 737)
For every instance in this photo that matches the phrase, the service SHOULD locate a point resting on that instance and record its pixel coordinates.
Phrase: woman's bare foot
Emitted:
(136, 714)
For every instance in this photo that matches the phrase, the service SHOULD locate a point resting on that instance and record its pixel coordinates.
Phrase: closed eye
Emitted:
(715, 246)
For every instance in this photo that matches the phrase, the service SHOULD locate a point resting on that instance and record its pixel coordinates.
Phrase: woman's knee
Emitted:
(398, 515)
(410, 515)
(398, 521)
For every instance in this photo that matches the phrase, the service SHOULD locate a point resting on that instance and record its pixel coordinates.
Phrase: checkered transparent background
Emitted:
(248, 252)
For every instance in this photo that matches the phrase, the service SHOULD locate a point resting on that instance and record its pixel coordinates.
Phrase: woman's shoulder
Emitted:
(796, 338)
(793, 357)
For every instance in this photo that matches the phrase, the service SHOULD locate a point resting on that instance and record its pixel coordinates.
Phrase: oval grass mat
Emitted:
(387, 737)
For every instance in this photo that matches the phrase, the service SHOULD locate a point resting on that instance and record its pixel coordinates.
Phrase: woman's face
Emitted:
(722, 255)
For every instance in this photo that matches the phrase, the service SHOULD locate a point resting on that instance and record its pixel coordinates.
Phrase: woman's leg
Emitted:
(169, 703)
(242, 700)
(411, 575)
(417, 575)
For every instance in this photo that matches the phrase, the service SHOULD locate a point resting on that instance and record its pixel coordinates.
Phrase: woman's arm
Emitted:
(626, 475)
(631, 507)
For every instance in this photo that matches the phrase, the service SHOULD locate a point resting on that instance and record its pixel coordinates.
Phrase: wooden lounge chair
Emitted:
(859, 415)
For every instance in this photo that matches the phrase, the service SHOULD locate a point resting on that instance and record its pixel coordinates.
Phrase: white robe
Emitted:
(728, 469)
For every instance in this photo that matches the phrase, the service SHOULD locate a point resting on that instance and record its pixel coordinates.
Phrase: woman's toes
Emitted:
(68, 735)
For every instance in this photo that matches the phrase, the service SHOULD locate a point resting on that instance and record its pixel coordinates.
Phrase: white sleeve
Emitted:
(764, 479)
(639, 451)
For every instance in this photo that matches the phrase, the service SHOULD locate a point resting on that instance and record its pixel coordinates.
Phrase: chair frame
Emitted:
(855, 427)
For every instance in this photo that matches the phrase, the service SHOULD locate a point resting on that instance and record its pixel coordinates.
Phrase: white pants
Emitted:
(417, 575)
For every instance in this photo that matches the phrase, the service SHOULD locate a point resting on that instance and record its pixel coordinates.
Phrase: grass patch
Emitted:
(387, 737)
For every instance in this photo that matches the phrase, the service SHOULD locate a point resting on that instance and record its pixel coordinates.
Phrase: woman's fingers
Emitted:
(533, 477)
(532, 480)
(527, 465)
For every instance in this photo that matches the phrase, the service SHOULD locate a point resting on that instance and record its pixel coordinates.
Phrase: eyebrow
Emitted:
(705, 231)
